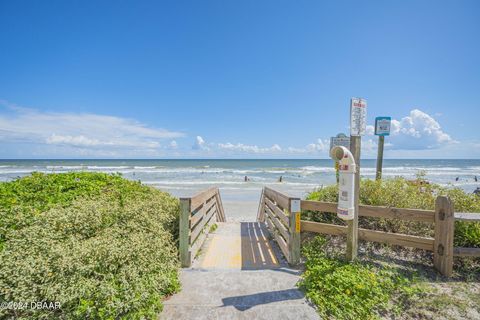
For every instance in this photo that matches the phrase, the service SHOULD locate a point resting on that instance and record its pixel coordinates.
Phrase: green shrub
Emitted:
(24, 199)
(102, 246)
(402, 193)
(343, 290)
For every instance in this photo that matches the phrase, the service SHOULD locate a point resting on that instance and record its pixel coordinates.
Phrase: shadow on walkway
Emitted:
(246, 302)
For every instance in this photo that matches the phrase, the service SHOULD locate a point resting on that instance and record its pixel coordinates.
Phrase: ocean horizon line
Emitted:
(210, 159)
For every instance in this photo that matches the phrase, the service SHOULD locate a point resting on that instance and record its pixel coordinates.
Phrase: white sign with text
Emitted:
(358, 116)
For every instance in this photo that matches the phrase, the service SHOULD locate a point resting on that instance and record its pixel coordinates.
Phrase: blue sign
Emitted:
(382, 126)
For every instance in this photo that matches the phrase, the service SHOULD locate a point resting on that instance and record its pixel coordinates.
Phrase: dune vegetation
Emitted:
(389, 281)
(101, 246)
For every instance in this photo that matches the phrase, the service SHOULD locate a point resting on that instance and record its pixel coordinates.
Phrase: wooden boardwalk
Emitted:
(227, 250)
(239, 274)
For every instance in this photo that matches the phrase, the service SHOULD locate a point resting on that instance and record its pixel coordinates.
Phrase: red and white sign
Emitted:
(358, 116)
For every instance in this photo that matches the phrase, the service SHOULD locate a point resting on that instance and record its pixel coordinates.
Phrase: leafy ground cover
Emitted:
(102, 246)
(406, 286)
(358, 290)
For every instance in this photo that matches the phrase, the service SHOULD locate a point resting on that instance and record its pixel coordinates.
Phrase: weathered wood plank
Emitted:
(277, 197)
(184, 233)
(374, 211)
(196, 217)
(200, 198)
(201, 212)
(280, 241)
(352, 225)
(371, 235)
(221, 211)
(261, 208)
(201, 239)
(283, 245)
(444, 229)
(277, 211)
(294, 230)
(466, 252)
(278, 225)
(270, 225)
(398, 239)
(199, 227)
(325, 228)
(467, 216)
(319, 206)
(397, 213)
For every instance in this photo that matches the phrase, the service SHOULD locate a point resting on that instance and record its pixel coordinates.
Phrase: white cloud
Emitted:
(320, 146)
(370, 130)
(369, 148)
(74, 141)
(243, 148)
(32, 133)
(199, 144)
(113, 135)
(173, 144)
(418, 130)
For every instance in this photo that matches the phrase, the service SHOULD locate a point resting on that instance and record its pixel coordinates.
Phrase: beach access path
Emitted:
(239, 274)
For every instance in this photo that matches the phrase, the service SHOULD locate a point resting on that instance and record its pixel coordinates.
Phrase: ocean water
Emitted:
(240, 198)
(184, 177)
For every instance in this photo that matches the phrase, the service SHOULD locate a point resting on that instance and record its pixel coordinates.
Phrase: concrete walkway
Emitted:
(240, 274)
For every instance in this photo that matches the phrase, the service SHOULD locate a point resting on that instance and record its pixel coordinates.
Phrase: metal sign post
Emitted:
(382, 129)
(358, 123)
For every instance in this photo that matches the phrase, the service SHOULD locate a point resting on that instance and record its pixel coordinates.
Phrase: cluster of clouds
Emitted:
(232, 149)
(416, 131)
(81, 133)
(86, 134)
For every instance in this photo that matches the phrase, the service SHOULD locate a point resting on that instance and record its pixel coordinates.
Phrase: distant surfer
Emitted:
(246, 178)
(456, 179)
(476, 180)
(280, 179)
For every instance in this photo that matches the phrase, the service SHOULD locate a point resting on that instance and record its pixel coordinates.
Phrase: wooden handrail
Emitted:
(196, 218)
(398, 239)
(466, 252)
(420, 215)
(467, 216)
(198, 199)
(276, 210)
(374, 211)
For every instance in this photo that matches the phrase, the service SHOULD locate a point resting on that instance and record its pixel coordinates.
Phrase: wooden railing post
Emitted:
(294, 231)
(444, 231)
(184, 234)
(261, 208)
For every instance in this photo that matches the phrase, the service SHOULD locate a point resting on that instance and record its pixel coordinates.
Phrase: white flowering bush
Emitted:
(104, 257)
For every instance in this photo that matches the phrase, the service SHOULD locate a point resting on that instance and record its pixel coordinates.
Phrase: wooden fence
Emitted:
(442, 219)
(196, 218)
(281, 213)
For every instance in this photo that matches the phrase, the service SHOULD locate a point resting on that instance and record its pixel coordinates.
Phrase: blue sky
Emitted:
(236, 79)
